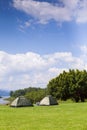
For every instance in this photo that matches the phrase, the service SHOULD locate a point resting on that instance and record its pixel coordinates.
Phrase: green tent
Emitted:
(21, 101)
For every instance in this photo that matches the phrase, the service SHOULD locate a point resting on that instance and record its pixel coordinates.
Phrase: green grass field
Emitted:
(66, 116)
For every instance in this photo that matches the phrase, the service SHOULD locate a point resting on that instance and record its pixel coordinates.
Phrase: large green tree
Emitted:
(72, 84)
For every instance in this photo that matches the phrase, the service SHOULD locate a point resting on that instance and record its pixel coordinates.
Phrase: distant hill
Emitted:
(4, 93)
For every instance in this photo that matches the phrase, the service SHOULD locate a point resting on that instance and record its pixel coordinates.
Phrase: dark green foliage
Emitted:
(34, 94)
(17, 93)
(72, 84)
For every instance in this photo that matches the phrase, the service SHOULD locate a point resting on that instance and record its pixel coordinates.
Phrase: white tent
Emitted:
(21, 101)
(48, 100)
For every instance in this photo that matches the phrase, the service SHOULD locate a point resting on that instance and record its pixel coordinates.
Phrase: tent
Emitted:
(21, 101)
(48, 100)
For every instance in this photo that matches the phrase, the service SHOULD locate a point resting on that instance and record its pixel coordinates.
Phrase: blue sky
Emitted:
(39, 39)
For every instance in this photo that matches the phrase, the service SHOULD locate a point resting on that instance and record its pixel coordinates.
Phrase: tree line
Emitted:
(32, 93)
(67, 85)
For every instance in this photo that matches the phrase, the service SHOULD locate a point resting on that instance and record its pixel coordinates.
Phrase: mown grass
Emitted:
(66, 116)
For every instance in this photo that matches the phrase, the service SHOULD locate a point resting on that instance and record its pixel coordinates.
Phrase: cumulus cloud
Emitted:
(64, 10)
(31, 69)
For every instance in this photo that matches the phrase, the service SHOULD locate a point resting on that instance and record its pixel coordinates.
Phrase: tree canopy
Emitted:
(72, 84)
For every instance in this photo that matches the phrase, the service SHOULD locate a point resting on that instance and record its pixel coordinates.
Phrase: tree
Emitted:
(72, 84)
(34, 94)
(17, 93)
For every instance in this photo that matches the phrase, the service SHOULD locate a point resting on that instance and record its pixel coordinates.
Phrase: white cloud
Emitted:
(45, 11)
(31, 69)
(81, 13)
(55, 71)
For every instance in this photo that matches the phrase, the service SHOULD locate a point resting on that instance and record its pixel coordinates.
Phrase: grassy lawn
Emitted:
(66, 116)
